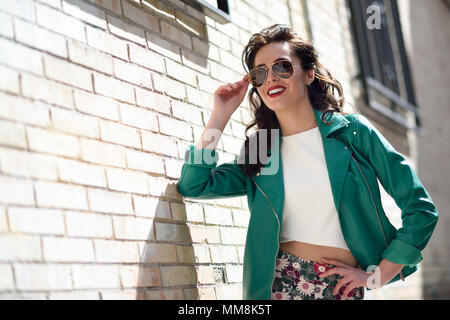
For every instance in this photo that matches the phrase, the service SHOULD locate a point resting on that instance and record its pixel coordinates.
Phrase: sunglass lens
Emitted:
(283, 69)
(258, 76)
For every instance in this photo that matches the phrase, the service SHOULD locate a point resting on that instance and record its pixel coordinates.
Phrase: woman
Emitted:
(317, 228)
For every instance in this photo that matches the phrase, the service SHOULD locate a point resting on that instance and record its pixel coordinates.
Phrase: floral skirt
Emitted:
(298, 279)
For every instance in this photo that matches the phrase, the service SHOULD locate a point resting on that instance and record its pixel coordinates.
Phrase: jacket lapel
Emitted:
(337, 158)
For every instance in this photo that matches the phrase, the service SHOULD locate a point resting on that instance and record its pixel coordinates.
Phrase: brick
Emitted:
(3, 220)
(171, 232)
(81, 173)
(12, 134)
(134, 276)
(111, 5)
(28, 164)
(193, 212)
(23, 9)
(132, 73)
(163, 47)
(102, 153)
(60, 23)
(157, 252)
(94, 277)
(6, 25)
(187, 113)
(223, 254)
(174, 294)
(40, 277)
(20, 57)
(152, 100)
(16, 191)
(151, 207)
(241, 217)
(47, 91)
(53, 3)
(36, 221)
(146, 58)
(199, 98)
(82, 54)
(106, 42)
(113, 88)
(125, 30)
(74, 123)
(205, 275)
(120, 134)
(218, 38)
(53, 142)
(233, 235)
(143, 161)
(207, 84)
(177, 275)
(163, 187)
(68, 73)
(123, 180)
(159, 144)
(40, 38)
(194, 61)
(201, 253)
(179, 212)
(139, 16)
(7, 278)
(109, 202)
(23, 110)
(96, 105)
(68, 250)
(85, 12)
(130, 294)
(60, 195)
(186, 254)
(173, 168)
(20, 248)
(108, 251)
(175, 128)
(9, 81)
(187, 22)
(130, 228)
(181, 73)
(204, 234)
(88, 225)
(175, 34)
(168, 86)
(74, 295)
(229, 292)
(216, 215)
(159, 8)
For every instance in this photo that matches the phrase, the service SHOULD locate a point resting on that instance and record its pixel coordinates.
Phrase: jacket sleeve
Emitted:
(201, 178)
(418, 212)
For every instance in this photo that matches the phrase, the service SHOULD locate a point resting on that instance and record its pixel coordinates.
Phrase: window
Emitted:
(218, 10)
(384, 64)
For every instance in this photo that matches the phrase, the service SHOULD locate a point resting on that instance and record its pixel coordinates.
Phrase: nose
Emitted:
(271, 76)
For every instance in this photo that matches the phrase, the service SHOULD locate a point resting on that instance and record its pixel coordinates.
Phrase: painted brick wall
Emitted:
(99, 101)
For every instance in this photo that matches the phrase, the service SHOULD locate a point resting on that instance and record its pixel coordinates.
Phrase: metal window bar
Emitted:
(384, 65)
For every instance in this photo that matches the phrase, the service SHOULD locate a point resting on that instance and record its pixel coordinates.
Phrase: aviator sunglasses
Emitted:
(283, 69)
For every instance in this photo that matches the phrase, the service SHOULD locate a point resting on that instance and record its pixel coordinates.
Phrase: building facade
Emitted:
(99, 100)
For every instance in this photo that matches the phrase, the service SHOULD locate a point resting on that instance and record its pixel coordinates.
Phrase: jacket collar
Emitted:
(336, 156)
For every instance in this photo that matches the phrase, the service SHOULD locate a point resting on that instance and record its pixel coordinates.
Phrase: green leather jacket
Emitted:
(356, 153)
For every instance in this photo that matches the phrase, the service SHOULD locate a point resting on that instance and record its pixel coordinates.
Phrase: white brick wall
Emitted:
(99, 101)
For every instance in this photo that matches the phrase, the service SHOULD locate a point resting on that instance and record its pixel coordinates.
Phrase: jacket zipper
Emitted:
(278, 233)
(376, 210)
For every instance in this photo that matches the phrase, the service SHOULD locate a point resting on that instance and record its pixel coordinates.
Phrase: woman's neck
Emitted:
(296, 119)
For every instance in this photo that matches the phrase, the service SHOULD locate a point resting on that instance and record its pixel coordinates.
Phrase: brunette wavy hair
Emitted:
(321, 91)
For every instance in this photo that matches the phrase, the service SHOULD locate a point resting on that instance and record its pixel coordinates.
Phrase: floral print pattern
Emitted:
(298, 279)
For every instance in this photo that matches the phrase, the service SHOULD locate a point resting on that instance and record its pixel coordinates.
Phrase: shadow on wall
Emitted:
(166, 268)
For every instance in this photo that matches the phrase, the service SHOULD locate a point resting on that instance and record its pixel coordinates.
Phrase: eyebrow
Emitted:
(278, 59)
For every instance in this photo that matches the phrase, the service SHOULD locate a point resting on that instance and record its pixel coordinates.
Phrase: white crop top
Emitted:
(309, 211)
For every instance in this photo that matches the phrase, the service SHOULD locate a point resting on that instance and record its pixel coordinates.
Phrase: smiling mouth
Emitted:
(277, 93)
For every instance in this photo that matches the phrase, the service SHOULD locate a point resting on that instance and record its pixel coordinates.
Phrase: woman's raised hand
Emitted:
(228, 97)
